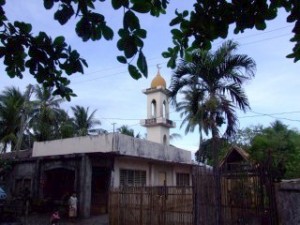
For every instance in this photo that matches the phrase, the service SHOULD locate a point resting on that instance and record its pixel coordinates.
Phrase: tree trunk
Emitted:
(217, 177)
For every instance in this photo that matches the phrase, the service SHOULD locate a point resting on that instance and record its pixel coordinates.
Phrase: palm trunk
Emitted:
(216, 171)
(24, 112)
(200, 142)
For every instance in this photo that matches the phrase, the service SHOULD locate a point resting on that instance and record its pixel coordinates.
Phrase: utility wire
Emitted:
(110, 75)
(238, 38)
(242, 117)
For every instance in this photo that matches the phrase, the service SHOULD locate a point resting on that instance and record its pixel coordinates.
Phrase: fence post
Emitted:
(141, 206)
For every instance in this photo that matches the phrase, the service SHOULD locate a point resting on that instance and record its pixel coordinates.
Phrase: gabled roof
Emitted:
(235, 154)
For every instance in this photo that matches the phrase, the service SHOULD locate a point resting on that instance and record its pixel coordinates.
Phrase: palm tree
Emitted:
(214, 79)
(46, 112)
(83, 121)
(211, 84)
(11, 103)
(124, 129)
(190, 109)
(64, 125)
(26, 111)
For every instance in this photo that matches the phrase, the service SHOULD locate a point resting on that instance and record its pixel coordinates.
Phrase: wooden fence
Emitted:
(246, 197)
(151, 206)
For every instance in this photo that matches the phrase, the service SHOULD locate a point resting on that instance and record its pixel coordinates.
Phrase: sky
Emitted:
(107, 87)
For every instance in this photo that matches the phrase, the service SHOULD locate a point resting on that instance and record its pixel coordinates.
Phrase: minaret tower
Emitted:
(158, 123)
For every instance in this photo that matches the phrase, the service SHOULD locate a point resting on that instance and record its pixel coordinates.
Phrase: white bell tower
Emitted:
(158, 123)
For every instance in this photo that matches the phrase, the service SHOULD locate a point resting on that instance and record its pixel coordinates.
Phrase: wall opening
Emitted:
(153, 109)
(165, 139)
(59, 183)
(164, 109)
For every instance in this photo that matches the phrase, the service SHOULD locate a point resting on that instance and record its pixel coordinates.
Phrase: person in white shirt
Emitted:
(73, 206)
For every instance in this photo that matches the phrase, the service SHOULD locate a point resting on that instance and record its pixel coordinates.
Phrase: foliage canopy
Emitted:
(49, 60)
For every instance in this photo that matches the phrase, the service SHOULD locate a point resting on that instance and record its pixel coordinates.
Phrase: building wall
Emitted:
(154, 170)
(288, 202)
(22, 176)
(157, 133)
(112, 143)
(87, 144)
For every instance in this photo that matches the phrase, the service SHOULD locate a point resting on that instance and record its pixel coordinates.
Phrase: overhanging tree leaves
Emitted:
(49, 60)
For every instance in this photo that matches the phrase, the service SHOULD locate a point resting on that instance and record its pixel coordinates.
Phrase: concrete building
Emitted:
(91, 165)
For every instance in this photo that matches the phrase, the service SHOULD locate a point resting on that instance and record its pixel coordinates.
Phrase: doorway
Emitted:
(59, 183)
(100, 190)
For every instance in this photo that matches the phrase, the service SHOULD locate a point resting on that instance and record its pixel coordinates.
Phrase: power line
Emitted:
(241, 117)
(266, 39)
(113, 68)
(268, 114)
(263, 33)
(110, 75)
(249, 43)
(272, 115)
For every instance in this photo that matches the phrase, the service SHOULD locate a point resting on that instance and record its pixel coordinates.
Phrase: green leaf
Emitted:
(166, 54)
(139, 42)
(24, 27)
(177, 34)
(130, 47)
(261, 26)
(83, 29)
(48, 4)
(185, 13)
(108, 33)
(116, 4)
(121, 44)
(134, 73)
(142, 64)
(122, 59)
(290, 56)
(141, 7)
(59, 40)
(123, 32)
(2, 51)
(63, 15)
(141, 33)
(175, 21)
(84, 62)
(131, 21)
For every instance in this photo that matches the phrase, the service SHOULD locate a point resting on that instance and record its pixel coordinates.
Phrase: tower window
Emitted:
(153, 109)
(164, 110)
(165, 139)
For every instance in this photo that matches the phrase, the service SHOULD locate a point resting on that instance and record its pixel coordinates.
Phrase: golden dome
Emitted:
(157, 81)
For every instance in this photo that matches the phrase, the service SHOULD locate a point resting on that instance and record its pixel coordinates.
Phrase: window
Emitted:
(153, 109)
(164, 110)
(182, 179)
(165, 139)
(162, 178)
(132, 177)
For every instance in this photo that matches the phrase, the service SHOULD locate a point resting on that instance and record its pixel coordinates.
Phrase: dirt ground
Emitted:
(44, 219)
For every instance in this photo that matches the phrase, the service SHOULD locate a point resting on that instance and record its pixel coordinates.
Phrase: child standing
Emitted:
(55, 218)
